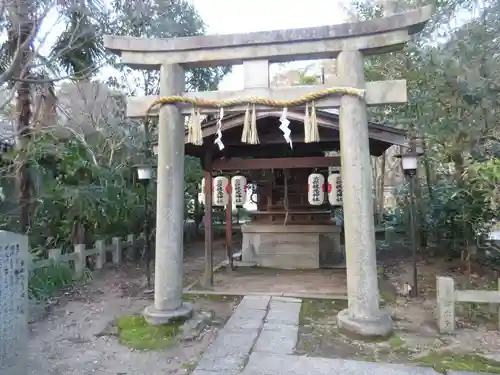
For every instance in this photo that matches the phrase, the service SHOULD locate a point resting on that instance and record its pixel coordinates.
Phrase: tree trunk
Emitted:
(23, 178)
(21, 16)
(459, 163)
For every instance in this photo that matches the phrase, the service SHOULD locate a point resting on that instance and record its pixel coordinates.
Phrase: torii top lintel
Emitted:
(371, 37)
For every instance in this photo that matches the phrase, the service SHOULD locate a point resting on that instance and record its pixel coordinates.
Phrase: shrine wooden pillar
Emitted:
(229, 227)
(208, 277)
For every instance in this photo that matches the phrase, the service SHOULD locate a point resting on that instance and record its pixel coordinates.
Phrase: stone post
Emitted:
(14, 312)
(168, 286)
(445, 287)
(363, 317)
(100, 257)
(117, 250)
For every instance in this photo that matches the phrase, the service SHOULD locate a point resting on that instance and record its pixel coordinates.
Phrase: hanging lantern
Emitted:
(238, 190)
(335, 189)
(220, 188)
(201, 194)
(316, 189)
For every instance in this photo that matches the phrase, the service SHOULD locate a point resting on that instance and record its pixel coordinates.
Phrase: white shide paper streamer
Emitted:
(218, 140)
(284, 127)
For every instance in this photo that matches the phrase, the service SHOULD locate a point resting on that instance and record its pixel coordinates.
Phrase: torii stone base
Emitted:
(159, 317)
(365, 329)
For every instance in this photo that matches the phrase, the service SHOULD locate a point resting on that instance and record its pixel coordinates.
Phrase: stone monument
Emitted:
(13, 303)
(349, 43)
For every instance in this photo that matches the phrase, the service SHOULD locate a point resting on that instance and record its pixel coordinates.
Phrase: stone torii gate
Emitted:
(348, 43)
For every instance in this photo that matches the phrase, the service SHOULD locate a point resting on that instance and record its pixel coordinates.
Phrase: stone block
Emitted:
(13, 303)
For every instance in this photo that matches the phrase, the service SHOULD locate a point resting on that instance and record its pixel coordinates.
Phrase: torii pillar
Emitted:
(350, 42)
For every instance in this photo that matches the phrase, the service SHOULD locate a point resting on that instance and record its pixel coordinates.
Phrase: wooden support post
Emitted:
(100, 257)
(79, 260)
(208, 278)
(229, 227)
(269, 190)
(117, 250)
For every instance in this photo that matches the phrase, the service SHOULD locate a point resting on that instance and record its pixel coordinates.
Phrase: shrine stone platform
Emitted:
(291, 246)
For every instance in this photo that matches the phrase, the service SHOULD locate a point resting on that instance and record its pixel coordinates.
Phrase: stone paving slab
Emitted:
(231, 363)
(273, 364)
(283, 313)
(451, 372)
(229, 352)
(254, 303)
(245, 319)
(220, 372)
(278, 339)
(286, 299)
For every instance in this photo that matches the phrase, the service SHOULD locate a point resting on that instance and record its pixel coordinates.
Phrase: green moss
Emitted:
(313, 310)
(442, 361)
(189, 366)
(136, 333)
(308, 346)
(398, 345)
(387, 296)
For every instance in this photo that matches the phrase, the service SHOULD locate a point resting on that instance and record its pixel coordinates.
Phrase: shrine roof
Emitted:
(272, 143)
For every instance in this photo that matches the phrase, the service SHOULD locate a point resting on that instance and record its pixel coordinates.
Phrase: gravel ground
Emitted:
(69, 340)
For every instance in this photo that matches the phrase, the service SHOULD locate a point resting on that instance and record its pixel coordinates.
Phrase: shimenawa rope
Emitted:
(250, 128)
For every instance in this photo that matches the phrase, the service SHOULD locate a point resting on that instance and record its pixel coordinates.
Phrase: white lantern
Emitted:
(201, 195)
(316, 189)
(238, 190)
(335, 189)
(220, 189)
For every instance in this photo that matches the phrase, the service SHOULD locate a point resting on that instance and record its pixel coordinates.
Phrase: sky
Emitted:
(236, 16)
(261, 15)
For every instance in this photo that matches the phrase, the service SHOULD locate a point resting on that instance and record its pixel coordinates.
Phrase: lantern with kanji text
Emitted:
(220, 189)
(335, 189)
(238, 190)
(316, 189)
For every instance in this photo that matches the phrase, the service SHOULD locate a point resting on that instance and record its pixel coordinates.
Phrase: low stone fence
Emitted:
(447, 296)
(77, 259)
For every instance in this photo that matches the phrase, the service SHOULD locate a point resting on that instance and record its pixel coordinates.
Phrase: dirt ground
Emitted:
(246, 279)
(416, 338)
(71, 340)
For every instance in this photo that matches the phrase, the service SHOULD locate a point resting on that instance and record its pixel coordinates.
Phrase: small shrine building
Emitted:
(296, 187)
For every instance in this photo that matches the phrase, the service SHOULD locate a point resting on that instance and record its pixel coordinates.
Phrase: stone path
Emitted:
(260, 339)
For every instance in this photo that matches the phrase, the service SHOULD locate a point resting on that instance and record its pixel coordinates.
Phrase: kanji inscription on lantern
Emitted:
(238, 190)
(221, 196)
(316, 189)
(335, 189)
(13, 303)
(338, 186)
